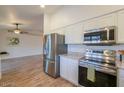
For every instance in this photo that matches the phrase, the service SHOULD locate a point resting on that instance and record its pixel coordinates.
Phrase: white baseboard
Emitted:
(7, 57)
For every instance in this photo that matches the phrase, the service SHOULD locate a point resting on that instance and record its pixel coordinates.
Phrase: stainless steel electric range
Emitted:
(101, 64)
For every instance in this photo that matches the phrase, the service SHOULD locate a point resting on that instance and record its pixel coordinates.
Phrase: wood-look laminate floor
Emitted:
(29, 73)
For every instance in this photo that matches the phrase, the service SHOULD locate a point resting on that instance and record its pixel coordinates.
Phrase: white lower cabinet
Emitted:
(63, 68)
(69, 69)
(121, 77)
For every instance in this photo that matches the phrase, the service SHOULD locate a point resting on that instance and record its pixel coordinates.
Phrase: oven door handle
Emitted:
(106, 70)
(99, 68)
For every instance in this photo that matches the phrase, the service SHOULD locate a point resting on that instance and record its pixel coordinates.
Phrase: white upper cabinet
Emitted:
(74, 34)
(120, 30)
(103, 21)
(59, 31)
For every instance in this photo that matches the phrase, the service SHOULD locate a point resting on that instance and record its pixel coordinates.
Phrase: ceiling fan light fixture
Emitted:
(17, 31)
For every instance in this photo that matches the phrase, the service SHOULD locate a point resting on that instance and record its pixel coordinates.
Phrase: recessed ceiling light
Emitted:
(42, 6)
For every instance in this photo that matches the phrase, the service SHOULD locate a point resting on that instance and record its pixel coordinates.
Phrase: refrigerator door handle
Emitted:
(45, 51)
(46, 48)
(49, 51)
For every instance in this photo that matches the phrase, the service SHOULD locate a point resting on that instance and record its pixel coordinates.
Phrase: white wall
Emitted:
(73, 13)
(29, 45)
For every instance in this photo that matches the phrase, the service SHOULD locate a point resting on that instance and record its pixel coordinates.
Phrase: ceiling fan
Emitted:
(19, 31)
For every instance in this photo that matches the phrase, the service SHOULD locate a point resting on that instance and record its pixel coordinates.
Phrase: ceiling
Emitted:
(30, 16)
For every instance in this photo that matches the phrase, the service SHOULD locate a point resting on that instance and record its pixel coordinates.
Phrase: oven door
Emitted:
(101, 79)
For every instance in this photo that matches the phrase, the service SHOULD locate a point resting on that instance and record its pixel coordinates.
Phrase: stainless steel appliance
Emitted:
(105, 35)
(54, 45)
(103, 63)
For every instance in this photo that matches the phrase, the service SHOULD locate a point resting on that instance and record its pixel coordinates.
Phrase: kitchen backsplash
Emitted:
(82, 48)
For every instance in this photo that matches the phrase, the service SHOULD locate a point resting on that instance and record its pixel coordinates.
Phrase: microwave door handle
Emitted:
(107, 33)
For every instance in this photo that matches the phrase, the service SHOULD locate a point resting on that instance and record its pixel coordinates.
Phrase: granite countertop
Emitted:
(73, 55)
(78, 56)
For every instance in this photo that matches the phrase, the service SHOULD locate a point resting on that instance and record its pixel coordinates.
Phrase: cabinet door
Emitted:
(90, 24)
(64, 67)
(120, 34)
(103, 21)
(69, 69)
(121, 82)
(59, 31)
(74, 34)
(121, 77)
(73, 71)
(108, 20)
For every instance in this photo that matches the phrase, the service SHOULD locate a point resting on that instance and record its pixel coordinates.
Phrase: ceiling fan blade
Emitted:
(19, 31)
(10, 31)
(33, 34)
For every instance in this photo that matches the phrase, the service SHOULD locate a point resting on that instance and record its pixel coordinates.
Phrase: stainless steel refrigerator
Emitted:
(54, 45)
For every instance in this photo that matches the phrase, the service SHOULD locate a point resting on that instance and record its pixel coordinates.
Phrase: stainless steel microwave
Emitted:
(100, 36)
